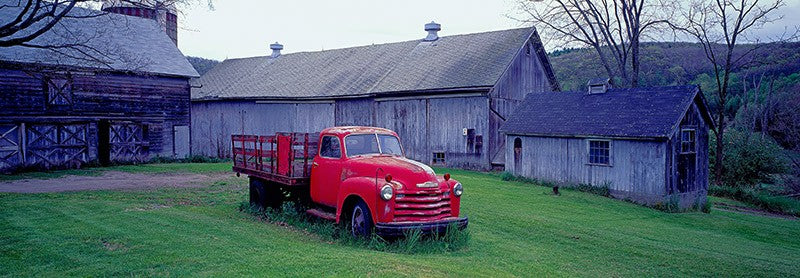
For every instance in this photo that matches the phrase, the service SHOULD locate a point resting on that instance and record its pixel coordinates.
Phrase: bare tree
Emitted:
(612, 28)
(720, 26)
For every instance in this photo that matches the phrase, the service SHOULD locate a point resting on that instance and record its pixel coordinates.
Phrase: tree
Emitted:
(720, 26)
(612, 28)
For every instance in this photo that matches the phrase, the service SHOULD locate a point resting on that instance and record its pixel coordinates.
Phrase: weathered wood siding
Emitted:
(65, 108)
(425, 125)
(214, 122)
(355, 112)
(636, 171)
(689, 190)
(524, 75)
(430, 125)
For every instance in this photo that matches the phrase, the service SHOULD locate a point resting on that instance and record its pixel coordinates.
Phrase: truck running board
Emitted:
(322, 214)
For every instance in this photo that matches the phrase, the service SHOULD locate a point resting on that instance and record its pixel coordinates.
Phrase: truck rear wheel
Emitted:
(264, 194)
(360, 220)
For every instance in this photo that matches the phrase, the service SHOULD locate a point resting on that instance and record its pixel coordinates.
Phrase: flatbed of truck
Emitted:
(284, 158)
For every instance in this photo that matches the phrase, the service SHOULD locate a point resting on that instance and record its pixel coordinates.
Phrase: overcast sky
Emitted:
(245, 28)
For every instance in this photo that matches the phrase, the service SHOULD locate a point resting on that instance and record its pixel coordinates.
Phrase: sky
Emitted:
(245, 28)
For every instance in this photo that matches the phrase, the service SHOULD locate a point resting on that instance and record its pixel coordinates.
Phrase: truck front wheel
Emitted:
(360, 220)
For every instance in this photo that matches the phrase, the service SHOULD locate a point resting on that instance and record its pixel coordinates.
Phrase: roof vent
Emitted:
(432, 29)
(276, 49)
(599, 85)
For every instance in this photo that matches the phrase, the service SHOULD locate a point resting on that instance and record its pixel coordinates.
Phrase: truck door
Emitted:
(326, 171)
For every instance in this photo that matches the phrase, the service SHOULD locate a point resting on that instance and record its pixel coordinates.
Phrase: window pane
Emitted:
(330, 147)
(599, 152)
(390, 145)
(361, 144)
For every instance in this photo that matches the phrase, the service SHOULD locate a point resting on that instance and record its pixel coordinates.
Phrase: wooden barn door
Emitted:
(57, 145)
(10, 146)
(127, 142)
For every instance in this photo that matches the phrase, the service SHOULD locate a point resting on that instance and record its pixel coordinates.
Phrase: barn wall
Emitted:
(65, 109)
(425, 124)
(213, 123)
(436, 125)
(636, 171)
(355, 112)
(524, 75)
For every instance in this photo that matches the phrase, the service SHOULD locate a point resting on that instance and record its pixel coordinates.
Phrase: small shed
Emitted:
(648, 145)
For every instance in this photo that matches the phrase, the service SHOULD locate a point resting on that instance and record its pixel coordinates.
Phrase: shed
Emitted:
(445, 96)
(649, 145)
(127, 101)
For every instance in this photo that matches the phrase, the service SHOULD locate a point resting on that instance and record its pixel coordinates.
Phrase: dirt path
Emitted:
(110, 180)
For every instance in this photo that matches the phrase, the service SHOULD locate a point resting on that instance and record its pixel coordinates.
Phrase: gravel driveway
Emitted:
(110, 180)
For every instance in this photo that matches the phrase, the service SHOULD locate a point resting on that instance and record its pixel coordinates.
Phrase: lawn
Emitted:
(516, 230)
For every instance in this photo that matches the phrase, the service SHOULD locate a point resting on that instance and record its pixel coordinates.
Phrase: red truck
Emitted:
(354, 175)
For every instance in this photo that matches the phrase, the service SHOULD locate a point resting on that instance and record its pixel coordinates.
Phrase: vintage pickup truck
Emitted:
(354, 175)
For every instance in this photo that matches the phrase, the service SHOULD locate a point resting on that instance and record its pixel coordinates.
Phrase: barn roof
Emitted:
(459, 61)
(112, 41)
(652, 112)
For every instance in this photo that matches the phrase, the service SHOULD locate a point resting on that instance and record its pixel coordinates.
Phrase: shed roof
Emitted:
(114, 42)
(459, 61)
(652, 112)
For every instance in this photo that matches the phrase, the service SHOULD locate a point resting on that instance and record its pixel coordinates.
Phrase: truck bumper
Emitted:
(400, 228)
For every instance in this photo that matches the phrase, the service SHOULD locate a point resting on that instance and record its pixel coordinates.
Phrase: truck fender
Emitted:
(363, 188)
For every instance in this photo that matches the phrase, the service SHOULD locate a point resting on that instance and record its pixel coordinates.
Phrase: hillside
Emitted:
(201, 65)
(672, 63)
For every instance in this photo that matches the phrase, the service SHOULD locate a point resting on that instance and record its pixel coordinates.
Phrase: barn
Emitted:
(445, 96)
(117, 91)
(648, 145)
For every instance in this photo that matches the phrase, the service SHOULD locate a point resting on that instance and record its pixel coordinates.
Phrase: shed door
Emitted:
(687, 161)
(517, 155)
(180, 141)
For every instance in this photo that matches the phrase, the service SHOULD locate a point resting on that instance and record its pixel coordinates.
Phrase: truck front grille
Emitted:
(421, 206)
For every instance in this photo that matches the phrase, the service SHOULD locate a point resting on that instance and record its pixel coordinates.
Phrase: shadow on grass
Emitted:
(414, 242)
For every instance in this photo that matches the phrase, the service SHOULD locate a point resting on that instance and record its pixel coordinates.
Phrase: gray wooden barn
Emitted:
(649, 145)
(445, 96)
(126, 101)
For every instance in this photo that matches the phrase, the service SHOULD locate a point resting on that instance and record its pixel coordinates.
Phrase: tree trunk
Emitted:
(720, 147)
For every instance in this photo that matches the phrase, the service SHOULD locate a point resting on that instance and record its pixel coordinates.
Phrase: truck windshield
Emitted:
(361, 144)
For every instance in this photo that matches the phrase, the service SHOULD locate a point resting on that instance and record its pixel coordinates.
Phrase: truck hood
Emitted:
(404, 170)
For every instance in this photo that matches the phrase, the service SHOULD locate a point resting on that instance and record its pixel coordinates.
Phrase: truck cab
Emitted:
(362, 174)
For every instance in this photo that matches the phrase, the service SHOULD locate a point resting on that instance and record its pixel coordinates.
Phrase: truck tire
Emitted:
(360, 220)
(265, 194)
(257, 193)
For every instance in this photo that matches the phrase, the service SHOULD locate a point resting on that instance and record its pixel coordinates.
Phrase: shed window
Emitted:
(599, 152)
(688, 141)
(438, 158)
(330, 147)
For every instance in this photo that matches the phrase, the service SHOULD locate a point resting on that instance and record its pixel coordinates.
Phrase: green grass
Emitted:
(141, 168)
(516, 229)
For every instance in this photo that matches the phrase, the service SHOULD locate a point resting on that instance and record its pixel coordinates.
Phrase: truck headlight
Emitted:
(458, 189)
(387, 192)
